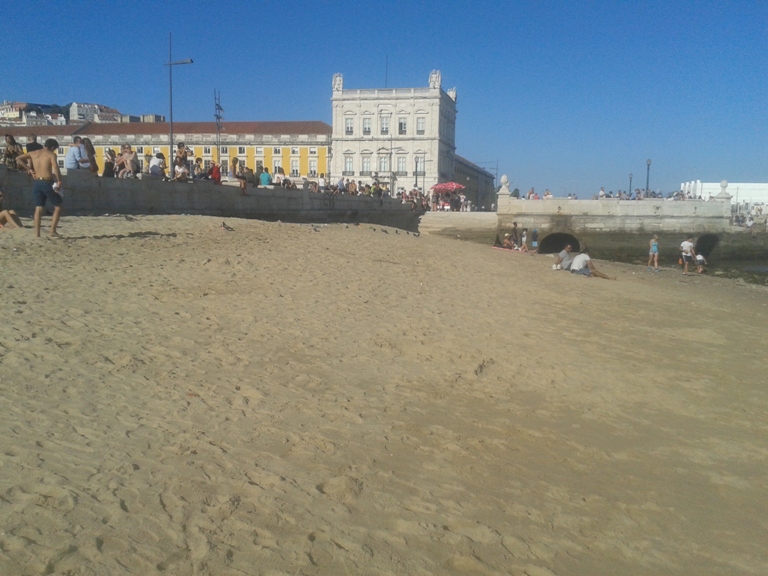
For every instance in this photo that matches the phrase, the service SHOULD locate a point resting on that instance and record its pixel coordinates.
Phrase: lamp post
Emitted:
(629, 192)
(170, 65)
(647, 176)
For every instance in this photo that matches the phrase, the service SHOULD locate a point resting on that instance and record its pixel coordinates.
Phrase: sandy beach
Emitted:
(287, 399)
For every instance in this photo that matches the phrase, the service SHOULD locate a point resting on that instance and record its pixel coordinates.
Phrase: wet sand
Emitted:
(285, 399)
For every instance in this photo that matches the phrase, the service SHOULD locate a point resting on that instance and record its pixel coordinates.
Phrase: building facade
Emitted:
(405, 137)
(301, 149)
(479, 184)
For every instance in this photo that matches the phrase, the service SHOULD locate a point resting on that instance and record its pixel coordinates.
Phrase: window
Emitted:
(366, 126)
(294, 151)
(259, 165)
(294, 168)
(241, 149)
(383, 164)
(312, 151)
(385, 125)
(366, 166)
(401, 169)
(139, 149)
(277, 151)
(156, 150)
(421, 124)
(260, 150)
(224, 166)
(349, 169)
(206, 150)
(61, 150)
(141, 164)
(276, 163)
(420, 165)
(224, 150)
(207, 164)
(401, 127)
(313, 167)
(348, 130)
(61, 163)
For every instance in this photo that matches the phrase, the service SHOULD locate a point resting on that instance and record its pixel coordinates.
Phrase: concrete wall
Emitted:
(614, 229)
(85, 193)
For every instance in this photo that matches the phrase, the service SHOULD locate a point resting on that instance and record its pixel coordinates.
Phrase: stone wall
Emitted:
(86, 193)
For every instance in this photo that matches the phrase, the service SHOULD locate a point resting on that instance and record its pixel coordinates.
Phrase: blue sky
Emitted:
(568, 96)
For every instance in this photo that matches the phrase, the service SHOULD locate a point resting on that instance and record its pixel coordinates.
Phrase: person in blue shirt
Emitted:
(75, 158)
(265, 178)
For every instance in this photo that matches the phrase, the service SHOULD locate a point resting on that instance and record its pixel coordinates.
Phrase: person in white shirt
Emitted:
(688, 252)
(321, 182)
(582, 264)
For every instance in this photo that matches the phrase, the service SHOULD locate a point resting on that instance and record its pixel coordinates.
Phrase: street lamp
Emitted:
(170, 65)
(647, 176)
(629, 192)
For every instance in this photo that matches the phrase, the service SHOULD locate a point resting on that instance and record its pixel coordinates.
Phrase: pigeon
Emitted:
(385, 232)
(417, 234)
(396, 232)
(129, 218)
(224, 226)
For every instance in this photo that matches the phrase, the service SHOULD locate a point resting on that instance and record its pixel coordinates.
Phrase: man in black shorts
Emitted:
(42, 165)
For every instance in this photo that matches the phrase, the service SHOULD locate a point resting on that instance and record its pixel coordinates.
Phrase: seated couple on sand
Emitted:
(580, 264)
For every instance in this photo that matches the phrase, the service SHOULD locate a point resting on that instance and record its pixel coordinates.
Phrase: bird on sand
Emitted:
(226, 227)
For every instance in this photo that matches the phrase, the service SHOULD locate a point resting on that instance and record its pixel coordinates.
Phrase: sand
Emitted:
(285, 399)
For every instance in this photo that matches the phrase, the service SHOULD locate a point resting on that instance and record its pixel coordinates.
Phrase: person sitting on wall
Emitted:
(157, 165)
(265, 178)
(180, 170)
(197, 170)
(8, 218)
(214, 172)
(582, 264)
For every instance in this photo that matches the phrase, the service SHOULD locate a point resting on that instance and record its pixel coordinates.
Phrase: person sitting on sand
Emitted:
(507, 242)
(8, 218)
(582, 264)
(564, 259)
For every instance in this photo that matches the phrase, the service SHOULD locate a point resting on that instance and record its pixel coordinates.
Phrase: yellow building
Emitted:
(301, 149)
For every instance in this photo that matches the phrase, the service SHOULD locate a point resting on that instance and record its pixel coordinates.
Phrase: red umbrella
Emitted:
(447, 187)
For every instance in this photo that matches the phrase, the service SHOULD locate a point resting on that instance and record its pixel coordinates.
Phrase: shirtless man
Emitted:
(42, 165)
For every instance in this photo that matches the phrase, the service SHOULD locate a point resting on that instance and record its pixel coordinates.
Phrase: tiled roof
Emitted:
(44, 131)
(149, 128)
(273, 128)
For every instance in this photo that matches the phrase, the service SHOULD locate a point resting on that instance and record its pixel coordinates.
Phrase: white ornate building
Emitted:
(403, 136)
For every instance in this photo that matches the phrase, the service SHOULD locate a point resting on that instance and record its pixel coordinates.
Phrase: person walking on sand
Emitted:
(689, 254)
(42, 165)
(653, 253)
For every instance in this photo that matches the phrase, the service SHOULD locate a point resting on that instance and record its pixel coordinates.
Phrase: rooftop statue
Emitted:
(435, 79)
(338, 82)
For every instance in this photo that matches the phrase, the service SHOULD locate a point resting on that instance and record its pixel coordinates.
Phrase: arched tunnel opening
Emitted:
(554, 243)
(705, 244)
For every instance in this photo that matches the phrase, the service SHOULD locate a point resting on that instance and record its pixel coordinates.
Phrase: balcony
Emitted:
(366, 131)
(401, 173)
(348, 173)
(365, 172)
(419, 173)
